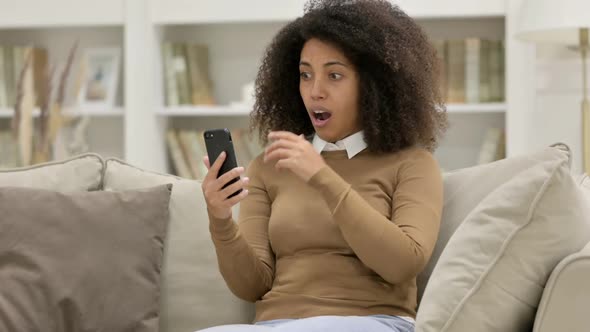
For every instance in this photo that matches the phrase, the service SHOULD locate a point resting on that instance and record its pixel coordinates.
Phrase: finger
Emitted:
(240, 184)
(275, 135)
(227, 177)
(214, 170)
(206, 162)
(283, 164)
(280, 144)
(278, 154)
(237, 198)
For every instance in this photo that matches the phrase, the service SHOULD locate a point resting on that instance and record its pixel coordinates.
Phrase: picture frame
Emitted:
(100, 70)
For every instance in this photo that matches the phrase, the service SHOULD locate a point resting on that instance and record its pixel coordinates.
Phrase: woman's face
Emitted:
(329, 87)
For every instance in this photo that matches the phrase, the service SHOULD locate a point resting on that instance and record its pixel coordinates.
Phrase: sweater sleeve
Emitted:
(396, 249)
(244, 254)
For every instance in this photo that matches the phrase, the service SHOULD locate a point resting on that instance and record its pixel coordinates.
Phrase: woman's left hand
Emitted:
(294, 153)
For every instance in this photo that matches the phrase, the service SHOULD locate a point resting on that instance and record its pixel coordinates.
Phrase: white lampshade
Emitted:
(553, 21)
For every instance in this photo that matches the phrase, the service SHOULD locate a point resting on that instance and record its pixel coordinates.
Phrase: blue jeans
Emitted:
(376, 323)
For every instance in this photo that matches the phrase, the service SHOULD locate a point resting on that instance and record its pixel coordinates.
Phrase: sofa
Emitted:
(499, 264)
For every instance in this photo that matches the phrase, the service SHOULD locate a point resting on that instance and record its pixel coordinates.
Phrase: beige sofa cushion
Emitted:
(491, 275)
(81, 173)
(464, 189)
(83, 261)
(566, 298)
(194, 293)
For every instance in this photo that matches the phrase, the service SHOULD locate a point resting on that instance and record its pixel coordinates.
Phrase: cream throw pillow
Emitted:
(491, 275)
(194, 294)
(464, 189)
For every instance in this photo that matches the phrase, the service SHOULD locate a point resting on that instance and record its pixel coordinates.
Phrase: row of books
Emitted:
(473, 70)
(8, 150)
(493, 146)
(187, 149)
(12, 60)
(186, 74)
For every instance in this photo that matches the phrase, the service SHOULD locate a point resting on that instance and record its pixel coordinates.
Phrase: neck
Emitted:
(343, 137)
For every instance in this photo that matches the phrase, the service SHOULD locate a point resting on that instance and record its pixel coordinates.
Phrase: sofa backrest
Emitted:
(80, 173)
(193, 290)
(194, 295)
(464, 189)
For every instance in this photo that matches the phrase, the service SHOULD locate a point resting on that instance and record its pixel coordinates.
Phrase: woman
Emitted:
(342, 210)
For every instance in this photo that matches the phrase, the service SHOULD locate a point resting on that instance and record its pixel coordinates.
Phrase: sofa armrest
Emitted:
(566, 298)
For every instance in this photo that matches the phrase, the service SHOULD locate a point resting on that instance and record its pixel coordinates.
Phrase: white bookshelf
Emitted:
(224, 11)
(116, 112)
(92, 24)
(231, 11)
(241, 111)
(237, 33)
(60, 13)
(484, 108)
(91, 112)
(204, 111)
(6, 113)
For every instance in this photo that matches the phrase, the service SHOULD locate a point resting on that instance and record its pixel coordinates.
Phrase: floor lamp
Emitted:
(564, 22)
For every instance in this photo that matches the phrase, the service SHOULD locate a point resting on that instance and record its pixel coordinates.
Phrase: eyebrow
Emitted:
(327, 64)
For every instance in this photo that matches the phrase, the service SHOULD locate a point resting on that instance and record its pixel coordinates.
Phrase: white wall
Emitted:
(557, 113)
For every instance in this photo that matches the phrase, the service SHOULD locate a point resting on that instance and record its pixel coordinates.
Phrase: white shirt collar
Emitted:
(353, 144)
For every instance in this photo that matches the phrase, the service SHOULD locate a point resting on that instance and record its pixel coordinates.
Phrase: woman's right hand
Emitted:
(216, 196)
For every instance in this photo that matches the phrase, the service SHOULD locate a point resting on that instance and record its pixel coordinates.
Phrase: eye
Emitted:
(335, 76)
(304, 75)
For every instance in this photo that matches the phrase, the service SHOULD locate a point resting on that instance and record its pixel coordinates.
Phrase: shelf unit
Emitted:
(201, 111)
(61, 13)
(231, 111)
(95, 113)
(230, 11)
(237, 33)
(92, 24)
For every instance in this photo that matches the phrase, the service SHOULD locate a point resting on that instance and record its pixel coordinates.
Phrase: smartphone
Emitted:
(217, 141)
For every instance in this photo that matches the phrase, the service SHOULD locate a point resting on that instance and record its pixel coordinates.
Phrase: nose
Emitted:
(317, 90)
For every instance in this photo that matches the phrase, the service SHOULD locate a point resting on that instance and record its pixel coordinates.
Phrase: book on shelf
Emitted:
(8, 150)
(198, 70)
(169, 75)
(187, 149)
(186, 74)
(472, 70)
(455, 62)
(472, 57)
(12, 61)
(441, 50)
(493, 147)
(181, 168)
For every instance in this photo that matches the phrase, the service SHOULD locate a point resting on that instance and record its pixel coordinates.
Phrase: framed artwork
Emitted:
(100, 77)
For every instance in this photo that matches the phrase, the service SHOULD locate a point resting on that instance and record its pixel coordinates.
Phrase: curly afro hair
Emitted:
(400, 102)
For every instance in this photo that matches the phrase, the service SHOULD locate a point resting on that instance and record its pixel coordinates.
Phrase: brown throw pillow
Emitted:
(83, 261)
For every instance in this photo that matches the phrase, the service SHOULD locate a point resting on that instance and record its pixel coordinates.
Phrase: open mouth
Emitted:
(320, 118)
(321, 115)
